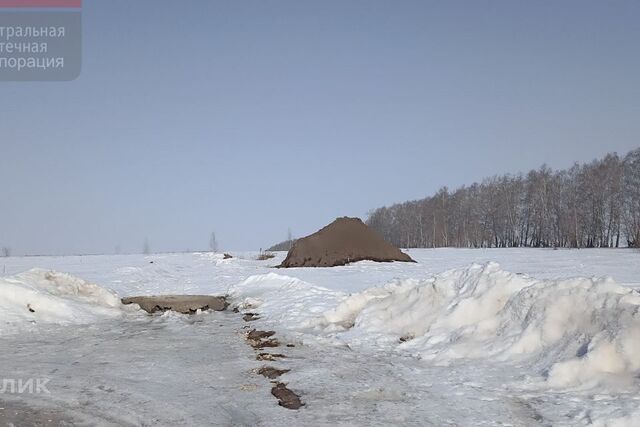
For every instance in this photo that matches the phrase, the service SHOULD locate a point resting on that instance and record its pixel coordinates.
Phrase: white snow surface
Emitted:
(41, 296)
(591, 326)
(463, 337)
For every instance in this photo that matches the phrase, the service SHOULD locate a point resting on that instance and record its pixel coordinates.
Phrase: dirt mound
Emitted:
(343, 241)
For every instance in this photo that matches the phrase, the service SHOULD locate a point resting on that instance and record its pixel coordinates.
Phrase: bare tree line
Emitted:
(590, 205)
(284, 245)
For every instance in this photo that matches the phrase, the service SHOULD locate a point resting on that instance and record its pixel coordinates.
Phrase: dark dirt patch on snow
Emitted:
(271, 372)
(286, 397)
(344, 241)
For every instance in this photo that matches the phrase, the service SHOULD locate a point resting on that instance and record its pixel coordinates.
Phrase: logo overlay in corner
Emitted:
(40, 40)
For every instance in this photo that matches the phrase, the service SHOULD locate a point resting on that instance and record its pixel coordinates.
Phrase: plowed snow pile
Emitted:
(40, 296)
(578, 332)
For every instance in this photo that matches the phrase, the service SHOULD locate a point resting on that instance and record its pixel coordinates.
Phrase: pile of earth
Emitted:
(344, 241)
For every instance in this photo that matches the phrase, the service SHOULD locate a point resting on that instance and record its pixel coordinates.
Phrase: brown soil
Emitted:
(227, 256)
(286, 397)
(270, 357)
(186, 304)
(260, 339)
(258, 335)
(249, 317)
(344, 241)
(258, 345)
(271, 372)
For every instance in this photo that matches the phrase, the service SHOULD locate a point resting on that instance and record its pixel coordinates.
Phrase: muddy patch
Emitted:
(270, 343)
(258, 335)
(270, 357)
(286, 398)
(261, 339)
(271, 372)
(250, 317)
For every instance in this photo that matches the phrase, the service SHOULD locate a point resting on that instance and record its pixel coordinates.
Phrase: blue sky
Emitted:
(250, 117)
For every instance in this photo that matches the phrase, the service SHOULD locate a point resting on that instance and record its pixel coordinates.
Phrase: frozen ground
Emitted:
(455, 339)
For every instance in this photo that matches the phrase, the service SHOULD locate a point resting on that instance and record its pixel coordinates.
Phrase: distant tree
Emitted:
(631, 191)
(6, 252)
(590, 205)
(282, 246)
(117, 250)
(146, 249)
(213, 243)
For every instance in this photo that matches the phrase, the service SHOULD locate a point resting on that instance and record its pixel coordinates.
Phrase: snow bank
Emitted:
(216, 258)
(578, 331)
(40, 296)
(287, 300)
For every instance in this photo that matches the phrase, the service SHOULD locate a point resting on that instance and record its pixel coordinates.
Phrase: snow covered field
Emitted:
(463, 337)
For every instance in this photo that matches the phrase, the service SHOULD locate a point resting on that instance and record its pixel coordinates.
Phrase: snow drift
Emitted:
(576, 332)
(41, 296)
(284, 299)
